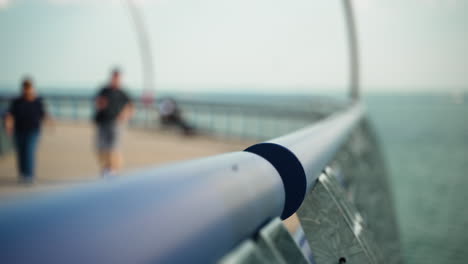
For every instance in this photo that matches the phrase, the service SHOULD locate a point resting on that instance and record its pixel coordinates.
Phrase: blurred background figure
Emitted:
(23, 121)
(171, 115)
(113, 110)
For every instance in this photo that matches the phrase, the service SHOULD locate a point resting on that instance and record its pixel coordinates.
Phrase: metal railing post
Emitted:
(353, 46)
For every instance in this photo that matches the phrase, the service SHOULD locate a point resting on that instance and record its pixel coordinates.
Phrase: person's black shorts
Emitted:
(108, 136)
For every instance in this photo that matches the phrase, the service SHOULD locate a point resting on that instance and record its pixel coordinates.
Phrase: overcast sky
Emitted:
(241, 45)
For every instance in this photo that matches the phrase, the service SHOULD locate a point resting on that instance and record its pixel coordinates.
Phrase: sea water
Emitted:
(425, 141)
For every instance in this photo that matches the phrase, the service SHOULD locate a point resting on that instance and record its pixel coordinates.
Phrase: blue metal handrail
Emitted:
(189, 212)
(308, 151)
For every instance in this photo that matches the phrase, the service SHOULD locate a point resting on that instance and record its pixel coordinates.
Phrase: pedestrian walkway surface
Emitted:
(66, 155)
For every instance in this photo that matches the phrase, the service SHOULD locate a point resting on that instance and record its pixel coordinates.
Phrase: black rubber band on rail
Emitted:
(291, 171)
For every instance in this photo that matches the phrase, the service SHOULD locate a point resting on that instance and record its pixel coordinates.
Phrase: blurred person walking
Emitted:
(113, 110)
(23, 121)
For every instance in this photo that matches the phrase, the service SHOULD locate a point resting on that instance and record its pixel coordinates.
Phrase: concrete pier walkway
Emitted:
(66, 154)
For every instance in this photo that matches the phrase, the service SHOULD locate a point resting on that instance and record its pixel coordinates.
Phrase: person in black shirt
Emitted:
(113, 109)
(23, 120)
